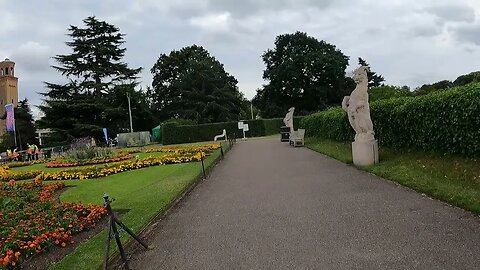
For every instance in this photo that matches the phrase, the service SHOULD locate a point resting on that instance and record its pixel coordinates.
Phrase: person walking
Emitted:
(36, 151)
(29, 151)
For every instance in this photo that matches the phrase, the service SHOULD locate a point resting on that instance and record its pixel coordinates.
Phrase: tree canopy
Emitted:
(97, 84)
(301, 72)
(192, 84)
(445, 84)
(388, 91)
(374, 80)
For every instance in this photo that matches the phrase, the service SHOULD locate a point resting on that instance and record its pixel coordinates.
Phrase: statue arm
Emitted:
(345, 102)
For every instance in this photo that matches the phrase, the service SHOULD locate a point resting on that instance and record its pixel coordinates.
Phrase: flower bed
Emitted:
(16, 164)
(186, 149)
(31, 220)
(6, 174)
(89, 162)
(96, 172)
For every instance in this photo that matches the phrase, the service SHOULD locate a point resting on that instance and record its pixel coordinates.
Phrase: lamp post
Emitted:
(130, 113)
(251, 108)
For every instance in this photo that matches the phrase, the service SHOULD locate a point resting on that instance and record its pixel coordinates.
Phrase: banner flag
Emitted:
(10, 117)
(105, 133)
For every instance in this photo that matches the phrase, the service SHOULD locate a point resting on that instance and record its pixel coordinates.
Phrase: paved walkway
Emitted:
(270, 206)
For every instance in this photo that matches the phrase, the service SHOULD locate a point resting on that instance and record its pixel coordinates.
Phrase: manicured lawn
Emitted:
(453, 179)
(143, 193)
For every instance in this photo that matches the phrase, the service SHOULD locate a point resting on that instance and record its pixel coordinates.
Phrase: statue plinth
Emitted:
(365, 153)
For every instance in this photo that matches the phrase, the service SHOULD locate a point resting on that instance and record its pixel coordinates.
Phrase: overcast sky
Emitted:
(409, 42)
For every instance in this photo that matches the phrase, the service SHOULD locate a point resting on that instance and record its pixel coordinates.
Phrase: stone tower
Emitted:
(8, 89)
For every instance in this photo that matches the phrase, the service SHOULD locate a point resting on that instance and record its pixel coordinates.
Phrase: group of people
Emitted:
(32, 153)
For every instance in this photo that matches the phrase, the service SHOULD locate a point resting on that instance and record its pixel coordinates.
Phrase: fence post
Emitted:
(203, 166)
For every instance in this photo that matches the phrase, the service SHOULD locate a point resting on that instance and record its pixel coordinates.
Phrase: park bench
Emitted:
(297, 137)
(224, 134)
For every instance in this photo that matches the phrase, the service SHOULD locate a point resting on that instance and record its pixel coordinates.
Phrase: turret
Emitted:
(7, 68)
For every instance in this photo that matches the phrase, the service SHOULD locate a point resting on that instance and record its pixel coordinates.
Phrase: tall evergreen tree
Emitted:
(374, 80)
(95, 73)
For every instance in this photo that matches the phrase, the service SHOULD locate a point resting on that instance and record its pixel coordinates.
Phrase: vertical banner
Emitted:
(105, 134)
(10, 118)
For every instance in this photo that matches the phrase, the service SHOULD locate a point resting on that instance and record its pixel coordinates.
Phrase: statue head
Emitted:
(291, 109)
(360, 74)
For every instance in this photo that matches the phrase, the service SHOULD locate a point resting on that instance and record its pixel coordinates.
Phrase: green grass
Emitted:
(142, 194)
(453, 179)
(337, 150)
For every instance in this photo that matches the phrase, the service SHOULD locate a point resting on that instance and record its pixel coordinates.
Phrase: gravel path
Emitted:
(271, 206)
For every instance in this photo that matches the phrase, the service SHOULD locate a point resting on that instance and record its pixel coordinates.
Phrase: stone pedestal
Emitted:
(365, 152)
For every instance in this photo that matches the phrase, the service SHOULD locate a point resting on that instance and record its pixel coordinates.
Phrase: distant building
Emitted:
(8, 89)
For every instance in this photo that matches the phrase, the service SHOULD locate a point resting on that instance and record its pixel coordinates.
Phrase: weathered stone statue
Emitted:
(288, 120)
(365, 147)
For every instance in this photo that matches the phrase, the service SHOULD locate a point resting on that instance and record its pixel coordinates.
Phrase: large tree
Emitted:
(192, 84)
(301, 72)
(96, 77)
(374, 80)
(24, 126)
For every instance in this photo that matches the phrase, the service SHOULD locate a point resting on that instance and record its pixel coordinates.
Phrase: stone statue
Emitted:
(365, 147)
(288, 120)
(357, 108)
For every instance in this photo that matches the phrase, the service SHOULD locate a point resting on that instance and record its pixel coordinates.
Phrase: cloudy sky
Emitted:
(409, 42)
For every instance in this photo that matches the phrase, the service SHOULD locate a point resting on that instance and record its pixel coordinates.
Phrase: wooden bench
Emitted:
(297, 137)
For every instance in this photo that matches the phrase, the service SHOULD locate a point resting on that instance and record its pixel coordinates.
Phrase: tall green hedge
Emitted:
(446, 121)
(173, 133)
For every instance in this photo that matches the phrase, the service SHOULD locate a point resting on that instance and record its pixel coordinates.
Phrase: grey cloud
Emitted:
(249, 7)
(453, 12)
(426, 31)
(468, 34)
(32, 57)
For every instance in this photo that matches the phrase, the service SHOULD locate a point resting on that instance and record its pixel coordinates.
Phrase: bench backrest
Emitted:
(300, 133)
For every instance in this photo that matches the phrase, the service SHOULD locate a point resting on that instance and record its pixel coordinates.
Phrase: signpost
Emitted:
(243, 127)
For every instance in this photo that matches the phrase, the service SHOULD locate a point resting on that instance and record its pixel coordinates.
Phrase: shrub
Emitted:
(173, 134)
(446, 121)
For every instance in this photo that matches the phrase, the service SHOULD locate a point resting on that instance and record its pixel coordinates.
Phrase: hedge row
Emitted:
(173, 134)
(446, 121)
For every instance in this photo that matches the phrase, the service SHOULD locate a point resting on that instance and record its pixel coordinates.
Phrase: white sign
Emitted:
(240, 125)
(245, 127)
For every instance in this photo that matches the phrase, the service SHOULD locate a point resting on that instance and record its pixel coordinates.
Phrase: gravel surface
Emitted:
(271, 206)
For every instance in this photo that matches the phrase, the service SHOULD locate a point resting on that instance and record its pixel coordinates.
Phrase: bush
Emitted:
(446, 121)
(330, 124)
(173, 134)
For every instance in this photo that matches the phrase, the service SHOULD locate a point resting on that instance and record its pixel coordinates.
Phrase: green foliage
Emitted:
(88, 153)
(446, 121)
(192, 84)
(95, 95)
(374, 80)
(330, 124)
(173, 134)
(387, 92)
(467, 78)
(302, 72)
